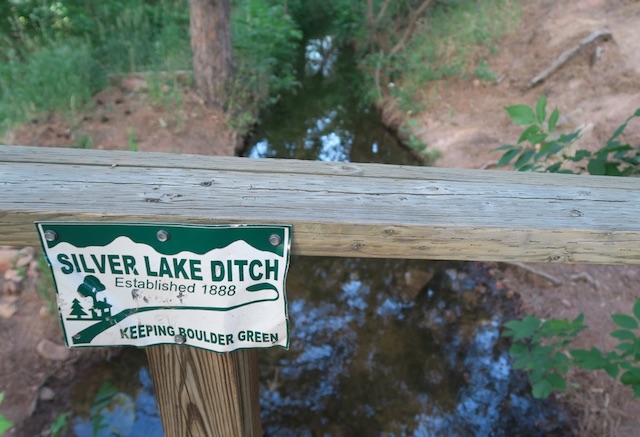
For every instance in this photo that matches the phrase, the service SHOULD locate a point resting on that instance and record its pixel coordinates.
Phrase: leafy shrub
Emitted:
(538, 149)
(541, 348)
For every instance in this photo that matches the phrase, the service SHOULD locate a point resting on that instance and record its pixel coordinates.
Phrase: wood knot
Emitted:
(576, 213)
(357, 245)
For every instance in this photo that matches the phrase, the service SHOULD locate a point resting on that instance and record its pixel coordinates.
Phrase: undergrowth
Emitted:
(456, 38)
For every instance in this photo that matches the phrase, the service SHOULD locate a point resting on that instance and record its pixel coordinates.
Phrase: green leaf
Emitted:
(557, 381)
(4, 425)
(580, 155)
(542, 389)
(623, 335)
(611, 169)
(636, 309)
(591, 359)
(626, 348)
(625, 321)
(553, 120)
(541, 109)
(618, 131)
(612, 370)
(596, 167)
(508, 156)
(518, 350)
(569, 138)
(631, 377)
(521, 114)
(528, 133)
(505, 147)
(523, 328)
(524, 158)
(554, 168)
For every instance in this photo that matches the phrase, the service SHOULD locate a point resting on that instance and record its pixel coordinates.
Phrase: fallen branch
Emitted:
(566, 55)
(555, 281)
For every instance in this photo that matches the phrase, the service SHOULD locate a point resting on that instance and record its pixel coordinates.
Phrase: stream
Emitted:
(379, 347)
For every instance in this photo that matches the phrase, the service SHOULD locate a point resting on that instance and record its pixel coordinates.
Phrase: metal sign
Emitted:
(214, 287)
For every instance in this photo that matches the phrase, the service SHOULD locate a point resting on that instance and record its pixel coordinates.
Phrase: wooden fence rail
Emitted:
(336, 209)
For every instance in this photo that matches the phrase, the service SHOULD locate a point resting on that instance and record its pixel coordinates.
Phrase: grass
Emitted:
(46, 67)
(455, 39)
(62, 76)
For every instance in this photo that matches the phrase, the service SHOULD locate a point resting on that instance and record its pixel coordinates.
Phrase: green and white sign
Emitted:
(214, 287)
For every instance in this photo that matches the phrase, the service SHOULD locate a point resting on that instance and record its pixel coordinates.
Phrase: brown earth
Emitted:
(597, 90)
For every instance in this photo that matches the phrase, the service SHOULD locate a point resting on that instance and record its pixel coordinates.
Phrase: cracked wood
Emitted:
(336, 209)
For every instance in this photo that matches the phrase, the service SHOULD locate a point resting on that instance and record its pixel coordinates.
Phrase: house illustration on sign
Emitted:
(101, 309)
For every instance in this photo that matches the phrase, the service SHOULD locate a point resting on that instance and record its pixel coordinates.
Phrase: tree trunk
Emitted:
(211, 46)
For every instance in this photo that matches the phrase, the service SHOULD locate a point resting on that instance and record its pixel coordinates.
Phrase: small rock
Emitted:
(44, 312)
(567, 303)
(46, 394)
(6, 258)
(12, 275)
(23, 261)
(476, 83)
(27, 251)
(10, 288)
(7, 308)
(52, 351)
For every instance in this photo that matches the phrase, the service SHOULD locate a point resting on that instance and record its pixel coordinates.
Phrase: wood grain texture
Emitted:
(336, 209)
(202, 393)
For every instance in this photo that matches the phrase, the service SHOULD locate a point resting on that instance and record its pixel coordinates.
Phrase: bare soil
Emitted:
(596, 90)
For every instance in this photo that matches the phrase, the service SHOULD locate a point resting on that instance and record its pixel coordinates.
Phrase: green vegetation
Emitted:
(455, 39)
(60, 425)
(56, 54)
(4, 422)
(538, 148)
(541, 348)
(265, 43)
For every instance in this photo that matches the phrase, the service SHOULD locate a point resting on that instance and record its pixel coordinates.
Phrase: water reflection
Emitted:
(374, 354)
(326, 118)
(116, 398)
(320, 56)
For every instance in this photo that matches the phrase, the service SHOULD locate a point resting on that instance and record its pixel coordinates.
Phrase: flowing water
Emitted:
(379, 347)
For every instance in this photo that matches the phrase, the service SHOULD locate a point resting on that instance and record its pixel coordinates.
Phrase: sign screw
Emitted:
(275, 239)
(50, 235)
(162, 235)
(180, 339)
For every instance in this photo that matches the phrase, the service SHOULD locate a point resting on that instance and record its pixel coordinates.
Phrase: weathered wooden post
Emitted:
(335, 209)
(206, 394)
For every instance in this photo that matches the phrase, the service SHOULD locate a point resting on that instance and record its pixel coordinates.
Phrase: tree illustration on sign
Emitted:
(90, 287)
(77, 310)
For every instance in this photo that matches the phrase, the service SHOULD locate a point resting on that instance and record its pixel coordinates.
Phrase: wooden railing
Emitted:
(336, 209)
